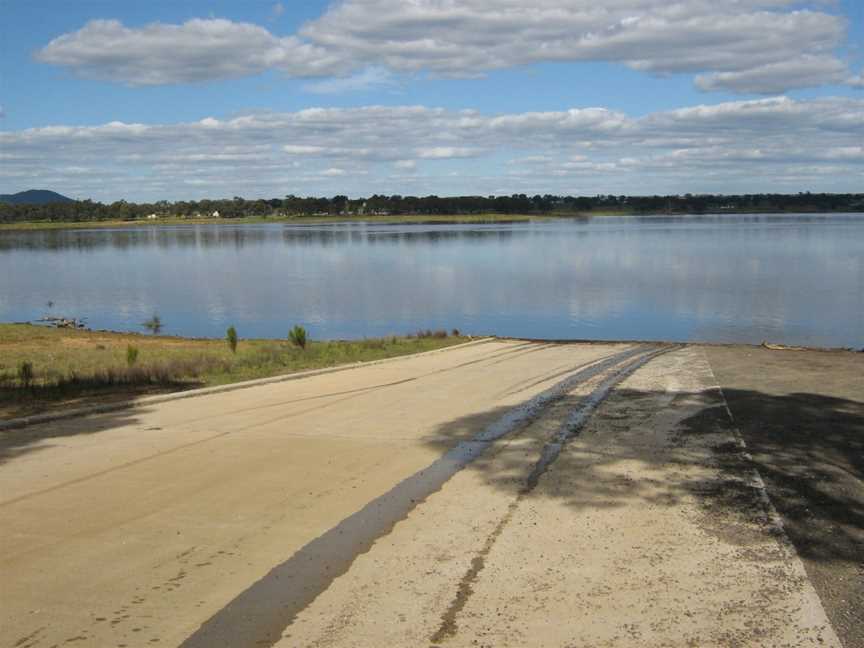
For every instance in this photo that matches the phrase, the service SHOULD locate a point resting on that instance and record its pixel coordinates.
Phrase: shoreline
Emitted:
(45, 369)
(72, 367)
(444, 219)
(765, 344)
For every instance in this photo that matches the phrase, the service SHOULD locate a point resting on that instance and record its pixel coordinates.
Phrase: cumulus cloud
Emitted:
(777, 77)
(761, 46)
(197, 50)
(764, 145)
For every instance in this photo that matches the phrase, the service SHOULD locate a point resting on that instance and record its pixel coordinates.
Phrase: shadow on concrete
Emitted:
(809, 449)
(17, 401)
(18, 442)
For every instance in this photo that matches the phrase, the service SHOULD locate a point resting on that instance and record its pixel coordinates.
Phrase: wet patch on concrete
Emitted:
(260, 615)
(549, 453)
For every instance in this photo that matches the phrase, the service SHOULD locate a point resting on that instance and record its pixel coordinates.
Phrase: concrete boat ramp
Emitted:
(501, 493)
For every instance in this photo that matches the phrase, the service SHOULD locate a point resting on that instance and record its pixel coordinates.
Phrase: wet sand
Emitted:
(590, 484)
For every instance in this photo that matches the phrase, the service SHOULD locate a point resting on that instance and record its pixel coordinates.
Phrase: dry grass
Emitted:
(73, 367)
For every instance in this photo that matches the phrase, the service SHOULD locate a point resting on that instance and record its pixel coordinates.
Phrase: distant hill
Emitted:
(34, 197)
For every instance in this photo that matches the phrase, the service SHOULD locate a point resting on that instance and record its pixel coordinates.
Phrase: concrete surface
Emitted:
(158, 526)
(802, 416)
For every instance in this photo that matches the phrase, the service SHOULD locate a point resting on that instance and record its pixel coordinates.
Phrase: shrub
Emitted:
(455, 332)
(131, 355)
(297, 335)
(154, 324)
(25, 373)
(429, 333)
(231, 337)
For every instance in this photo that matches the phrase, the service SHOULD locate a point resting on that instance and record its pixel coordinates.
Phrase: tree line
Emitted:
(396, 205)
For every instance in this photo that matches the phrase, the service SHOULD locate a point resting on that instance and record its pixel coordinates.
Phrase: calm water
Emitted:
(790, 279)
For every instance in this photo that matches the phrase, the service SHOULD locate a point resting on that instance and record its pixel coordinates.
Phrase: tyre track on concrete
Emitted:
(259, 615)
(572, 426)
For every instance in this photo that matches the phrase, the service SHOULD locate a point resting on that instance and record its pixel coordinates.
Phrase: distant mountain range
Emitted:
(34, 197)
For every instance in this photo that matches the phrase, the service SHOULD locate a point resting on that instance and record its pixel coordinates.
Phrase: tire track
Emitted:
(550, 452)
(260, 615)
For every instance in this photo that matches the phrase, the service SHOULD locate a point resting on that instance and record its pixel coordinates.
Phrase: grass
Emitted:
(72, 368)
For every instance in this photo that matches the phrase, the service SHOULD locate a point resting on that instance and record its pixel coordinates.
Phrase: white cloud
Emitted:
(762, 46)
(365, 80)
(764, 145)
(444, 152)
(197, 50)
(295, 149)
(804, 71)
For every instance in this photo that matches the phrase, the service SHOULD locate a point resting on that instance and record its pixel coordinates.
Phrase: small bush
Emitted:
(429, 333)
(297, 335)
(154, 324)
(131, 355)
(455, 332)
(25, 374)
(231, 337)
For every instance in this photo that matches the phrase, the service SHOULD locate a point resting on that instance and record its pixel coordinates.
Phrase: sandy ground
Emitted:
(344, 510)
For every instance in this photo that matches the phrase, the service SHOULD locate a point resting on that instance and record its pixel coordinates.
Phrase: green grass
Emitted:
(74, 367)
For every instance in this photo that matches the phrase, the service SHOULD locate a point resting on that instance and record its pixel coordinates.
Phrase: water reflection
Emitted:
(792, 279)
(240, 236)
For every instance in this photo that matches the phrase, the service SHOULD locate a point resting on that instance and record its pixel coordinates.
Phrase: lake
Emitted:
(793, 279)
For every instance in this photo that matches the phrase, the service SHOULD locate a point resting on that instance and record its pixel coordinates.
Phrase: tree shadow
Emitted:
(808, 448)
(18, 442)
(17, 401)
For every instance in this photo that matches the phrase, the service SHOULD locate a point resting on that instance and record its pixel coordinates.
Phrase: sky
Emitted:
(190, 99)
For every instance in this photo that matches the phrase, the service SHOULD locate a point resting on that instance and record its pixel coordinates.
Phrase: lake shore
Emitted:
(297, 220)
(443, 219)
(79, 367)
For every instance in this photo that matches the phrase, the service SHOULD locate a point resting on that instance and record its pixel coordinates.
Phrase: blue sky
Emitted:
(173, 100)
